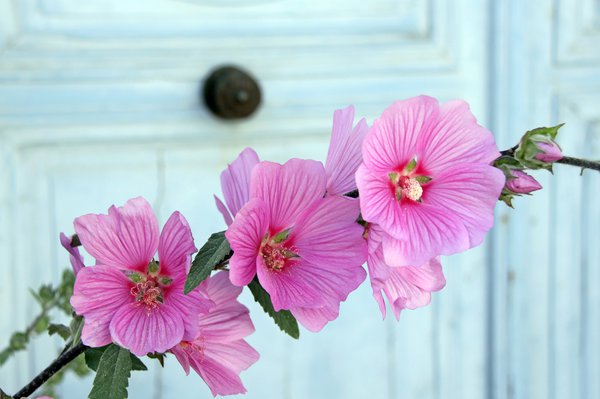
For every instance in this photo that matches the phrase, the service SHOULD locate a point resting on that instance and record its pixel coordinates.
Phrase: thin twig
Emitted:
(60, 362)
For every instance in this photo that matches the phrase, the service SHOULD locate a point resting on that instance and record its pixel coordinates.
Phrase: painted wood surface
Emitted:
(98, 103)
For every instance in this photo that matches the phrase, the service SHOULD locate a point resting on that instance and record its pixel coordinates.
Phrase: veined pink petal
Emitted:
(471, 192)
(189, 306)
(220, 379)
(176, 246)
(456, 138)
(98, 293)
(126, 238)
(327, 233)
(228, 320)
(182, 356)
(407, 287)
(74, 256)
(235, 180)
(237, 355)
(141, 331)
(431, 232)
(287, 189)
(345, 151)
(314, 319)
(223, 210)
(245, 236)
(393, 139)
(378, 204)
(293, 286)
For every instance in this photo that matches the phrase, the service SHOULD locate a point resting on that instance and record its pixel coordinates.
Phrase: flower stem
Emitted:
(582, 163)
(61, 361)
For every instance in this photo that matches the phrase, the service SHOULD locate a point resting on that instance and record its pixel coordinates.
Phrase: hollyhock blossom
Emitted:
(235, 184)
(219, 353)
(426, 179)
(406, 287)
(128, 297)
(344, 155)
(75, 257)
(306, 249)
(520, 182)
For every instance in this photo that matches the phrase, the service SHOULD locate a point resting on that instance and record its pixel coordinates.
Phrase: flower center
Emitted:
(148, 293)
(407, 184)
(276, 251)
(148, 289)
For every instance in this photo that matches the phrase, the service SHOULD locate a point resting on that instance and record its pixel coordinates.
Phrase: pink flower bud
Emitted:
(550, 151)
(521, 183)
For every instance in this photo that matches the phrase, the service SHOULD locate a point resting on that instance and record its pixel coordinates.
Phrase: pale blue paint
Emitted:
(98, 104)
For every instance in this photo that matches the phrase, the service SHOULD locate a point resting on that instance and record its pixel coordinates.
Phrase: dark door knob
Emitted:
(231, 93)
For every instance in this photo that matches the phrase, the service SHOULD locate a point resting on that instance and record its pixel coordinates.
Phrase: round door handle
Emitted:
(231, 93)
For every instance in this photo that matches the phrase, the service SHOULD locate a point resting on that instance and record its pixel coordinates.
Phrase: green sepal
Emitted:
(153, 267)
(158, 356)
(281, 236)
(527, 150)
(410, 166)
(135, 277)
(423, 179)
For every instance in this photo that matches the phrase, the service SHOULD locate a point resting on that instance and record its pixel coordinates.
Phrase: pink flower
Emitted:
(75, 257)
(521, 183)
(235, 183)
(406, 287)
(127, 297)
(306, 250)
(426, 179)
(344, 155)
(219, 353)
(550, 151)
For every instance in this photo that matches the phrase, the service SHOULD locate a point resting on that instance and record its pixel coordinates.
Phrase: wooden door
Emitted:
(99, 103)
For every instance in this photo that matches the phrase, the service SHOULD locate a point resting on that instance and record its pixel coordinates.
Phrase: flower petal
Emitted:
(456, 138)
(345, 151)
(237, 355)
(176, 246)
(406, 287)
(126, 238)
(142, 331)
(227, 320)
(235, 180)
(378, 204)
(74, 256)
(287, 189)
(393, 139)
(432, 231)
(98, 293)
(220, 379)
(223, 210)
(327, 232)
(189, 306)
(245, 236)
(470, 192)
(314, 319)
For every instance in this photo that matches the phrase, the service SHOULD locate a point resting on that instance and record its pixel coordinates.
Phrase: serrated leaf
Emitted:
(214, 251)
(112, 375)
(60, 329)
(93, 355)
(284, 318)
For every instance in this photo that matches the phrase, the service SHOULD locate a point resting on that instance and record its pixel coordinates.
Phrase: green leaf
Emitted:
(214, 251)
(112, 374)
(93, 356)
(76, 328)
(60, 329)
(284, 318)
(18, 341)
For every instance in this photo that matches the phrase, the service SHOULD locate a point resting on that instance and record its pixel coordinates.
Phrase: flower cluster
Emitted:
(426, 186)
